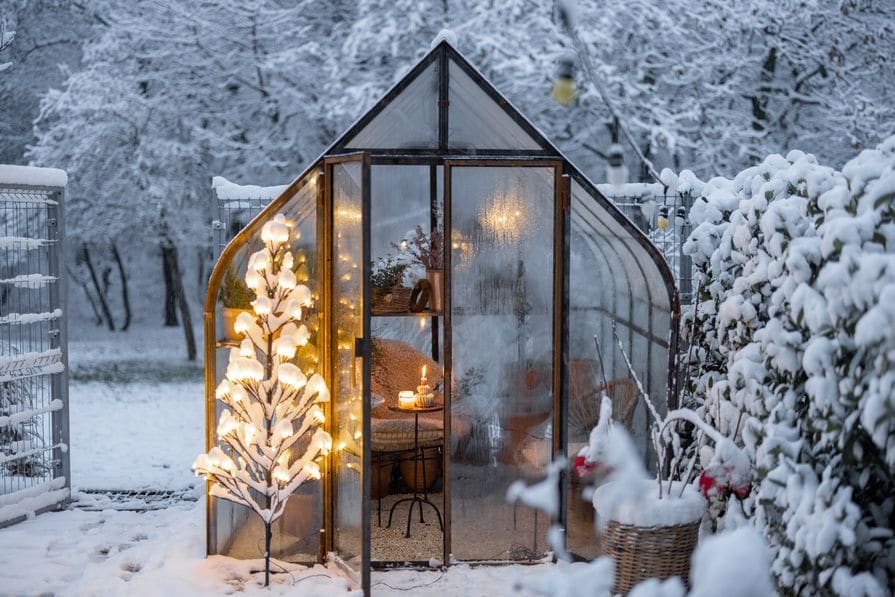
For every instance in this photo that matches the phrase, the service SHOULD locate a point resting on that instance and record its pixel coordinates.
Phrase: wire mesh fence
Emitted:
(664, 218)
(34, 462)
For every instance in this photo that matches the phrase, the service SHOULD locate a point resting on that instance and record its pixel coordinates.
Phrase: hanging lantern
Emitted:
(564, 89)
(662, 219)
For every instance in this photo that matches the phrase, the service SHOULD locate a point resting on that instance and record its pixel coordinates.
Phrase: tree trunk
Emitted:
(125, 299)
(267, 535)
(90, 300)
(104, 305)
(171, 265)
(170, 295)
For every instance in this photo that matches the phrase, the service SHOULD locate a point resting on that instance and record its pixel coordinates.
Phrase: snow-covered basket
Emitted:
(646, 536)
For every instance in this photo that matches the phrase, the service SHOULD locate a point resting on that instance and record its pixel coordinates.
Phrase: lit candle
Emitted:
(406, 399)
(423, 380)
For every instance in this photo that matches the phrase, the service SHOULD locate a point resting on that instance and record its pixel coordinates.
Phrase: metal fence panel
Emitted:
(34, 434)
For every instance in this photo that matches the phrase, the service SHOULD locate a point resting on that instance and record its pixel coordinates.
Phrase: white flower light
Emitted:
(316, 385)
(223, 390)
(284, 346)
(286, 279)
(281, 474)
(247, 349)
(276, 232)
(312, 470)
(258, 261)
(303, 295)
(262, 305)
(288, 261)
(302, 335)
(238, 394)
(244, 322)
(316, 414)
(254, 280)
(291, 375)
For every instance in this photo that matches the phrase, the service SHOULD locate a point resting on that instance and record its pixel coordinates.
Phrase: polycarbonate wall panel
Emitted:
(347, 406)
(502, 355)
(476, 120)
(410, 120)
(236, 531)
(613, 282)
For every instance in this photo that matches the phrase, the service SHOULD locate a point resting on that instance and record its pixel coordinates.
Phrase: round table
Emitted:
(418, 456)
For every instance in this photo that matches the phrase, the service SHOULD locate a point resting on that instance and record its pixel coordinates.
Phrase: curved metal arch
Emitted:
(662, 265)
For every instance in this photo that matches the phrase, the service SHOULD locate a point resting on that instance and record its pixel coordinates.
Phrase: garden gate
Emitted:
(34, 438)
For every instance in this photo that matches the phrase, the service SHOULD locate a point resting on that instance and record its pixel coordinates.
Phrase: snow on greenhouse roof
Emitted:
(230, 191)
(32, 176)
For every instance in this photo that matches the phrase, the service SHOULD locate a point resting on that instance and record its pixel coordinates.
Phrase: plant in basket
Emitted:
(650, 527)
(388, 295)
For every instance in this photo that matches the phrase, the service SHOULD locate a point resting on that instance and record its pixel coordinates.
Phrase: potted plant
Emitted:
(388, 295)
(428, 251)
(237, 298)
(650, 527)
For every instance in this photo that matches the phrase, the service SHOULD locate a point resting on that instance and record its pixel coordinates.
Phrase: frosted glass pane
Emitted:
(347, 407)
(236, 531)
(502, 313)
(410, 120)
(475, 120)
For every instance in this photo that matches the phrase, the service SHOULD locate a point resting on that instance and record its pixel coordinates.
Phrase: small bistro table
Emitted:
(419, 460)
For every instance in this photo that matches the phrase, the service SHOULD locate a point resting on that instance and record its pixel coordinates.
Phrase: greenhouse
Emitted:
(472, 294)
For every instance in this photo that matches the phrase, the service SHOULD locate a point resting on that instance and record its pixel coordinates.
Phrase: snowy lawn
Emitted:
(137, 423)
(137, 415)
(162, 553)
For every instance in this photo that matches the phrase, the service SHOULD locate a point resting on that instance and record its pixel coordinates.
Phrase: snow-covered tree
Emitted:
(793, 350)
(269, 431)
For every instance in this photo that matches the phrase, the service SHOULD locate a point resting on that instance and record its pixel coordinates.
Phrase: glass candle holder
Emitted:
(406, 399)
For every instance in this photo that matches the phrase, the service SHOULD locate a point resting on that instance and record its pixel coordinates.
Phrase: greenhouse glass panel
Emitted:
(234, 530)
(476, 120)
(502, 317)
(348, 381)
(410, 120)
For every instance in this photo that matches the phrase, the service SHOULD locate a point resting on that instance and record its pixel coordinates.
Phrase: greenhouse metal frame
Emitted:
(440, 136)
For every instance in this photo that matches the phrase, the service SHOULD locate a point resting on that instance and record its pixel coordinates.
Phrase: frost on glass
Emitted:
(409, 120)
(612, 279)
(502, 313)
(235, 531)
(475, 120)
(347, 406)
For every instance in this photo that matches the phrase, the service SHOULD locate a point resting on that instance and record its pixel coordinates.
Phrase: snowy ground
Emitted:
(137, 423)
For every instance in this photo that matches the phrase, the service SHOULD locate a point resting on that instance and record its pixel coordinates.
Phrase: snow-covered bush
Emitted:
(793, 346)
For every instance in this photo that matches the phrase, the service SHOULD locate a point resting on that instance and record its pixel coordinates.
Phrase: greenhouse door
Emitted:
(346, 218)
(504, 346)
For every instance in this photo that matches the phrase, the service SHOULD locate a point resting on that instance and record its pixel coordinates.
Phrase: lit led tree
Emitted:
(269, 433)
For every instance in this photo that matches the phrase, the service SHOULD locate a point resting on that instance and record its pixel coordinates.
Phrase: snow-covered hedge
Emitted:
(793, 354)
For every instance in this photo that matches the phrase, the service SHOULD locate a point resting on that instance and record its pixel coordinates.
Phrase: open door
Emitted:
(346, 211)
(504, 305)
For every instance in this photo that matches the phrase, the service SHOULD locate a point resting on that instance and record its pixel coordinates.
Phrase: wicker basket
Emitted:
(395, 300)
(648, 552)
